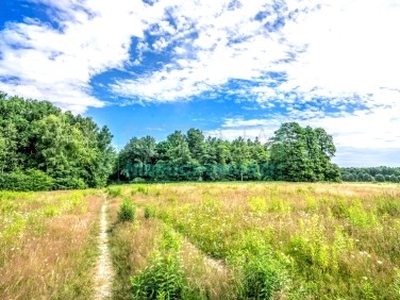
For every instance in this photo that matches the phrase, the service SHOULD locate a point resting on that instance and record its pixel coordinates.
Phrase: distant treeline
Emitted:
(294, 153)
(42, 148)
(379, 174)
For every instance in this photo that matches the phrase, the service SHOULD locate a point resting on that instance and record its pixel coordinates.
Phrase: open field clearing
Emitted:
(257, 241)
(203, 241)
(48, 244)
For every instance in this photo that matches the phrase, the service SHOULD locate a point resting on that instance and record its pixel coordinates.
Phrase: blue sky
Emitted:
(230, 68)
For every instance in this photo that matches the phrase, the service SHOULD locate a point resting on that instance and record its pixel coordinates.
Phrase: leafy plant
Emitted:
(114, 192)
(163, 278)
(127, 211)
(149, 212)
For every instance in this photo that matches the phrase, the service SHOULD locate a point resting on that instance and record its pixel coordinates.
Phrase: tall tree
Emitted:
(196, 143)
(178, 151)
(240, 155)
(302, 154)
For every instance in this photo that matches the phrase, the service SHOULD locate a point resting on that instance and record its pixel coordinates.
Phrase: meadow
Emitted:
(205, 241)
(48, 244)
(257, 241)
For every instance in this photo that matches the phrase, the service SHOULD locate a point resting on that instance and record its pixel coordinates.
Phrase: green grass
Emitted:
(292, 241)
(206, 241)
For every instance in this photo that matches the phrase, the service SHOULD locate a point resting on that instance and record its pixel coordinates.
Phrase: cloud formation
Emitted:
(38, 60)
(333, 64)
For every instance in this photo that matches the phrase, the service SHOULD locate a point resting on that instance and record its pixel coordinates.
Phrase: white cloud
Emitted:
(39, 61)
(340, 56)
(352, 48)
(210, 59)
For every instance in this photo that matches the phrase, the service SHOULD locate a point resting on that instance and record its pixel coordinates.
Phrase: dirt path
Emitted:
(216, 264)
(104, 275)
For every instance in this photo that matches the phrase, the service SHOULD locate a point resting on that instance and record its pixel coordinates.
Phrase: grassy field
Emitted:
(48, 244)
(258, 241)
(205, 241)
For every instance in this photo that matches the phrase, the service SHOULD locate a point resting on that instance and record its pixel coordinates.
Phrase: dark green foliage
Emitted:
(379, 174)
(302, 154)
(69, 184)
(71, 151)
(31, 180)
(293, 154)
(127, 211)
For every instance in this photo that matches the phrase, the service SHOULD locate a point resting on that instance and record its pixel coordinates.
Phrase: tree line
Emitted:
(43, 148)
(378, 174)
(294, 154)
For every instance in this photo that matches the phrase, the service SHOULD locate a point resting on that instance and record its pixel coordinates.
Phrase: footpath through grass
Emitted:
(257, 241)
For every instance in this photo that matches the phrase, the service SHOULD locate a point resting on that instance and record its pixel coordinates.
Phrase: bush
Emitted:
(127, 211)
(69, 184)
(138, 180)
(261, 279)
(114, 192)
(148, 212)
(163, 278)
(31, 180)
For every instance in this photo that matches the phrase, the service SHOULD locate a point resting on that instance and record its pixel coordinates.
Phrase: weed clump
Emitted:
(127, 211)
(148, 212)
(141, 190)
(114, 192)
(261, 279)
(163, 278)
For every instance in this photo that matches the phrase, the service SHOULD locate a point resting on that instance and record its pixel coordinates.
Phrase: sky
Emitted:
(230, 68)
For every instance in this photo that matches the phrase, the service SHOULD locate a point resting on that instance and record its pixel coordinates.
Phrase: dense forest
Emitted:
(292, 154)
(42, 148)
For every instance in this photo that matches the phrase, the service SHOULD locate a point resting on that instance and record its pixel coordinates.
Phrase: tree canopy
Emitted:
(42, 148)
(292, 154)
(57, 149)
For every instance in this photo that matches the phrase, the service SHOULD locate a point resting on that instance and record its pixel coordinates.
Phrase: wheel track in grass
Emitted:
(104, 270)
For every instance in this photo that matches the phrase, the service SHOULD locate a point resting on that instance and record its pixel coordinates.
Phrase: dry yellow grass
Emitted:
(52, 256)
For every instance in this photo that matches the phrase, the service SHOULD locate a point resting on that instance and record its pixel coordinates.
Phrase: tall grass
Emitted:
(48, 245)
(317, 240)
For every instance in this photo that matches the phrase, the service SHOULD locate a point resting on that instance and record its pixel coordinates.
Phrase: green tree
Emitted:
(302, 154)
(240, 155)
(196, 143)
(178, 151)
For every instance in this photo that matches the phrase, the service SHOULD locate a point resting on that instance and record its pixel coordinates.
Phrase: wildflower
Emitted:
(379, 262)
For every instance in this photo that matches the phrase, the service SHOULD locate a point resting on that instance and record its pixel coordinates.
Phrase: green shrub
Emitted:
(127, 211)
(138, 180)
(390, 206)
(69, 184)
(163, 278)
(31, 180)
(261, 279)
(143, 190)
(148, 212)
(114, 192)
